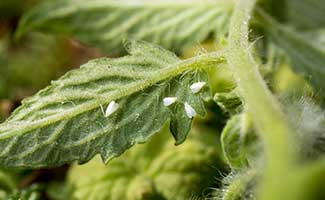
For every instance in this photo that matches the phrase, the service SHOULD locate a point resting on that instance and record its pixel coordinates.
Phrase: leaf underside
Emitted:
(105, 23)
(65, 121)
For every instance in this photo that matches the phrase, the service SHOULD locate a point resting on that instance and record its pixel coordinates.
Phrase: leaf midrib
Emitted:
(198, 62)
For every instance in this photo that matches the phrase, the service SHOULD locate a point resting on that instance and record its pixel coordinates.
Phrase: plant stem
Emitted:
(263, 107)
(238, 186)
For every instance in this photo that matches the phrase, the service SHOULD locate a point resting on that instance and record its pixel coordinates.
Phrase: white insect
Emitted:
(111, 108)
(169, 101)
(189, 110)
(196, 87)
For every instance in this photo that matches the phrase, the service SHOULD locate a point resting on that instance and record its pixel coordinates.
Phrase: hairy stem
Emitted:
(265, 110)
(238, 186)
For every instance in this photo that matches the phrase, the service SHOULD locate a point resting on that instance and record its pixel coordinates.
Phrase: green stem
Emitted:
(238, 186)
(263, 107)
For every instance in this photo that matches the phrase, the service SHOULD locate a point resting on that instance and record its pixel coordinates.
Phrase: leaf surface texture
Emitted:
(105, 23)
(66, 121)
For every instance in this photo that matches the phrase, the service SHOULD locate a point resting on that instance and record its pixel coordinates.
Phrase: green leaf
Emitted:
(156, 169)
(306, 14)
(239, 142)
(230, 102)
(306, 56)
(66, 121)
(105, 23)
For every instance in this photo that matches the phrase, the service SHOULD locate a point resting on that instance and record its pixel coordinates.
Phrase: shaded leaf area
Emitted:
(105, 23)
(66, 121)
(239, 142)
(159, 170)
(306, 56)
(229, 102)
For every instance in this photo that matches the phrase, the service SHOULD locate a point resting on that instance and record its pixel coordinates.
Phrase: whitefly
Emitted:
(190, 112)
(197, 87)
(169, 101)
(111, 108)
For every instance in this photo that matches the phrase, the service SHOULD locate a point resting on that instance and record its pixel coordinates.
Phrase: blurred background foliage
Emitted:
(29, 64)
(26, 66)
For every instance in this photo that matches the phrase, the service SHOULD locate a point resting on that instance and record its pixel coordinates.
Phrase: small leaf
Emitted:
(66, 121)
(230, 102)
(159, 170)
(239, 142)
(105, 23)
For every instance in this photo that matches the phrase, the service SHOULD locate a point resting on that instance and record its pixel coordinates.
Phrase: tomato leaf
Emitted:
(105, 23)
(66, 121)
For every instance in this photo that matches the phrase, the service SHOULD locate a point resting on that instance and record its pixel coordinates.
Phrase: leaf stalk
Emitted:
(266, 113)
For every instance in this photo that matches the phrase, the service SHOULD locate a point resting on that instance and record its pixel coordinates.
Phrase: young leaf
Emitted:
(239, 142)
(307, 58)
(230, 102)
(66, 121)
(159, 170)
(105, 23)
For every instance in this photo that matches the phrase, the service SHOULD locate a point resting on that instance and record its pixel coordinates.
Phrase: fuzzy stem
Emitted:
(263, 107)
(238, 186)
